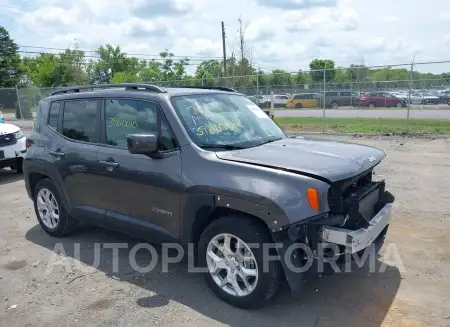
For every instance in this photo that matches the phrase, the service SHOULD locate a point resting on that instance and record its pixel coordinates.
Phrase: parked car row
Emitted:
(345, 98)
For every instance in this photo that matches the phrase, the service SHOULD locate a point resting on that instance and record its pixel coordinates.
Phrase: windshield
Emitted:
(225, 120)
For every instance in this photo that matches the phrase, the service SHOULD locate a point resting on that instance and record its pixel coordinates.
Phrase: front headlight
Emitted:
(18, 135)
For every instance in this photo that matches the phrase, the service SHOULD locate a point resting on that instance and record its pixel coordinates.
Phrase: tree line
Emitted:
(111, 64)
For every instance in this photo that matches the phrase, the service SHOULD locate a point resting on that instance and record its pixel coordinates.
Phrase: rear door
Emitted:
(75, 125)
(140, 193)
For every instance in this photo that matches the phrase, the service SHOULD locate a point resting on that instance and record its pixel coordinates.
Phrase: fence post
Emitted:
(272, 100)
(18, 103)
(409, 95)
(323, 102)
(257, 83)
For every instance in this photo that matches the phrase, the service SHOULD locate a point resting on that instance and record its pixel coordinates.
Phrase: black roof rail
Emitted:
(219, 88)
(127, 86)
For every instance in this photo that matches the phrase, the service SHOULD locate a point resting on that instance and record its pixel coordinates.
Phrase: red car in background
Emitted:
(380, 99)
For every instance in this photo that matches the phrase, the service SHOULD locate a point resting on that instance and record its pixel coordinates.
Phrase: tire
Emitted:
(371, 105)
(66, 224)
(399, 105)
(18, 167)
(334, 105)
(298, 105)
(248, 231)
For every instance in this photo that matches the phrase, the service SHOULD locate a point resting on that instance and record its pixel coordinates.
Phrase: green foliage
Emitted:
(318, 66)
(10, 72)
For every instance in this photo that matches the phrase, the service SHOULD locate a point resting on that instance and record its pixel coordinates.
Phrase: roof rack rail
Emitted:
(127, 86)
(219, 88)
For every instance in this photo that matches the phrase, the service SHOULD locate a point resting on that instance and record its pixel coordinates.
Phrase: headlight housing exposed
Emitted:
(18, 134)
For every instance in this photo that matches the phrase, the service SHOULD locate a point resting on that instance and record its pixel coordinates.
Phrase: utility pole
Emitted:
(224, 52)
(241, 39)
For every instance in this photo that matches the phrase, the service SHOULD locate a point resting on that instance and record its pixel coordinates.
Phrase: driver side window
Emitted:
(127, 116)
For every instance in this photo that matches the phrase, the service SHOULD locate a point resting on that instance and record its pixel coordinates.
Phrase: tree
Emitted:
(317, 67)
(209, 68)
(280, 78)
(10, 72)
(112, 60)
(62, 69)
(172, 70)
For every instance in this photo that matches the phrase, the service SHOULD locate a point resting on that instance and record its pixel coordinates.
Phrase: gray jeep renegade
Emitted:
(204, 167)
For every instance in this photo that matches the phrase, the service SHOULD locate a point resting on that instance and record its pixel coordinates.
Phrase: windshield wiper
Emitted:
(222, 146)
(270, 141)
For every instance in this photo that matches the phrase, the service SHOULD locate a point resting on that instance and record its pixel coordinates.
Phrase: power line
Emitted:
(128, 54)
(98, 57)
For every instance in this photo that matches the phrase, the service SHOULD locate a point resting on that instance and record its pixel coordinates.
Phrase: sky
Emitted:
(284, 34)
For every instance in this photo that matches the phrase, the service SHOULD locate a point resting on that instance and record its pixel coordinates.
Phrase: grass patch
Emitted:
(365, 125)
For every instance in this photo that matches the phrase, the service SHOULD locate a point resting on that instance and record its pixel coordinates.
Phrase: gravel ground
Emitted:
(39, 287)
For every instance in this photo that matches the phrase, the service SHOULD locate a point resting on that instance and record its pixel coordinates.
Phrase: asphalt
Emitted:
(365, 113)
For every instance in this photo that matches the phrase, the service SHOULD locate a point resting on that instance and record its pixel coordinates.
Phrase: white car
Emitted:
(13, 146)
(280, 100)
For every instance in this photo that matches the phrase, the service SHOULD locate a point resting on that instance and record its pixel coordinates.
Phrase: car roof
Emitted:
(134, 89)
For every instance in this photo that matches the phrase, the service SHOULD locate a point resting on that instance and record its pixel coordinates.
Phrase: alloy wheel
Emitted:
(232, 265)
(48, 208)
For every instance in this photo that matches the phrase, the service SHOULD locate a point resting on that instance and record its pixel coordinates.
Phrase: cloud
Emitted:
(445, 16)
(388, 19)
(158, 8)
(322, 18)
(261, 29)
(296, 4)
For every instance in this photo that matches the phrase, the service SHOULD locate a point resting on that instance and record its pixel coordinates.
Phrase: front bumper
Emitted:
(355, 241)
(324, 240)
(17, 150)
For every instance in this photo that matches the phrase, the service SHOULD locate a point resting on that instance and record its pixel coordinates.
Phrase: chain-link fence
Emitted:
(409, 91)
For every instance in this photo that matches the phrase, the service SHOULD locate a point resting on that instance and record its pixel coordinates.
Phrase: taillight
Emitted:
(27, 143)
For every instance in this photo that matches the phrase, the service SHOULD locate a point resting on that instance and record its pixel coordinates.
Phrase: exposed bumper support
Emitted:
(358, 240)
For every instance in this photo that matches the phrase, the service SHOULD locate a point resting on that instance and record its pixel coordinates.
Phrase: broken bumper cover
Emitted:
(355, 241)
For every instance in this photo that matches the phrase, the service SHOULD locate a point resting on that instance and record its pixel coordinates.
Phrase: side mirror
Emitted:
(142, 143)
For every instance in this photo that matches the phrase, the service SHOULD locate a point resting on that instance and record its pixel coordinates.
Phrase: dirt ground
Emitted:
(40, 288)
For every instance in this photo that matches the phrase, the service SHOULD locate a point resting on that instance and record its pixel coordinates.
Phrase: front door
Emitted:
(140, 193)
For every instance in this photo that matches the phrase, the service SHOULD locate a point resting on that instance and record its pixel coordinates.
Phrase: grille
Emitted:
(342, 189)
(7, 139)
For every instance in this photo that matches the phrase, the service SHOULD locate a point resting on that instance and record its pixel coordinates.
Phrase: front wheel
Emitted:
(399, 105)
(233, 248)
(371, 105)
(298, 105)
(334, 105)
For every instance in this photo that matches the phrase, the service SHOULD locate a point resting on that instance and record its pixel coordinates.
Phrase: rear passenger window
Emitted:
(80, 120)
(53, 115)
(331, 94)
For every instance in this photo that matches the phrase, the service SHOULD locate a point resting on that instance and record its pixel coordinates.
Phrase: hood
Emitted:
(8, 129)
(326, 160)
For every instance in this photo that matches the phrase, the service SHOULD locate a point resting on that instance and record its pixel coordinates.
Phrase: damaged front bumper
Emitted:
(357, 240)
(317, 246)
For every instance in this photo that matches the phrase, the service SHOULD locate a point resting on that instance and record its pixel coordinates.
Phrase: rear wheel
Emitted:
(334, 105)
(299, 105)
(50, 210)
(399, 105)
(232, 249)
(371, 105)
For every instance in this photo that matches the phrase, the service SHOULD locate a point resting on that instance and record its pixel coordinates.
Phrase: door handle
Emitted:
(109, 163)
(57, 153)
